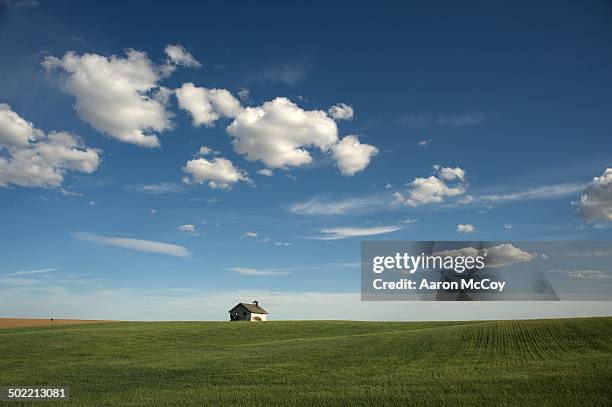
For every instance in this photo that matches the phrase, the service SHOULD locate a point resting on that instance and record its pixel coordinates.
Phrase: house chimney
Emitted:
(256, 303)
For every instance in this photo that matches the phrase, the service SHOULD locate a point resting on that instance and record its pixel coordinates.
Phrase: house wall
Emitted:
(249, 316)
(242, 317)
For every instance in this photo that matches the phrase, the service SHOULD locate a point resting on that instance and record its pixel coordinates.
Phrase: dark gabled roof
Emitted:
(255, 309)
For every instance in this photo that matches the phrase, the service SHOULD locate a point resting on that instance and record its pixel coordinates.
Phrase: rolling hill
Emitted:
(532, 362)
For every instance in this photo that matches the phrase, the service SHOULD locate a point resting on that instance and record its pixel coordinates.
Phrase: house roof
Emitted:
(255, 309)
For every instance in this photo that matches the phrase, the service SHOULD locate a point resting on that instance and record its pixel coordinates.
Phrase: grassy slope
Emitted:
(544, 362)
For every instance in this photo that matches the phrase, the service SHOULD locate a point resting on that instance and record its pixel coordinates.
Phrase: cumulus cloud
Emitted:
(250, 234)
(148, 246)
(187, 228)
(279, 132)
(497, 256)
(351, 156)
(206, 105)
(346, 232)
(265, 172)
(434, 189)
(219, 172)
(341, 111)
(14, 130)
(465, 228)
(596, 201)
(449, 173)
(207, 151)
(178, 55)
(34, 159)
(118, 96)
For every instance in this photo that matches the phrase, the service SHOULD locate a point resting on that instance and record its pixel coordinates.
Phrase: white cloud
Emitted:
(250, 234)
(187, 228)
(260, 273)
(206, 105)
(449, 173)
(92, 203)
(434, 189)
(30, 272)
(207, 151)
(424, 143)
(14, 130)
(341, 111)
(148, 246)
(467, 199)
(497, 256)
(347, 232)
(152, 211)
(159, 189)
(119, 96)
(244, 94)
(588, 274)
(408, 221)
(465, 228)
(285, 244)
(507, 226)
(540, 192)
(266, 172)
(596, 201)
(351, 156)
(279, 132)
(34, 159)
(219, 172)
(453, 120)
(321, 206)
(178, 55)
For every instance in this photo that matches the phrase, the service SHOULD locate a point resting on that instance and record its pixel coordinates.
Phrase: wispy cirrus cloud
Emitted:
(585, 274)
(247, 271)
(325, 206)
(348, 232)
(530, 193)
(30, 272)
(148, 246)
(17, 281)
(287, 74)
(159, 189)
(450, 119)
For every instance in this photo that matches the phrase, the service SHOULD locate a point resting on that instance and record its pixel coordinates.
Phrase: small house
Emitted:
(248, 312)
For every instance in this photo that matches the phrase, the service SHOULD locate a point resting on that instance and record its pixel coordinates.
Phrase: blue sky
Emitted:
(493, 115)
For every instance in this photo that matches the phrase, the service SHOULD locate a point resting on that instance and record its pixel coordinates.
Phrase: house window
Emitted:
(244, 313)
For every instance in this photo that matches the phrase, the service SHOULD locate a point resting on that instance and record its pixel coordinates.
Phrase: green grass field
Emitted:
(539, 362)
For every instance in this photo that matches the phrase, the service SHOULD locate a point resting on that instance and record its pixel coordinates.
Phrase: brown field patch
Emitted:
(26, 322)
